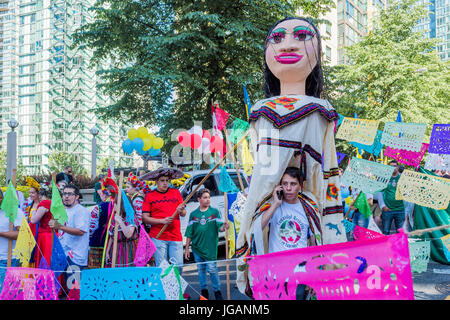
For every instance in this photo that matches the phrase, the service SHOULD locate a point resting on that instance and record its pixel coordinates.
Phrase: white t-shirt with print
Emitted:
(289, 228)
(4, 227)
(77, 247)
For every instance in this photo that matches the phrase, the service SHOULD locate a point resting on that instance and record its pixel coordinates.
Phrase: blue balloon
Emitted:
(138, 144)
(127, 146)
(154, 152)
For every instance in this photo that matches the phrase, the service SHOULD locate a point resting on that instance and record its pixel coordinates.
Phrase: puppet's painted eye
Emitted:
(276, 37)
(303, 35)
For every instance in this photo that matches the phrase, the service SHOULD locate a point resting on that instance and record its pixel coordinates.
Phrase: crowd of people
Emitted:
(87, 237)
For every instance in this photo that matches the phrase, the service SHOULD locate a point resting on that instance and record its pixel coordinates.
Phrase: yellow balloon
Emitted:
(132, 134)
(158, 143)
(147, 143)
(142, 132)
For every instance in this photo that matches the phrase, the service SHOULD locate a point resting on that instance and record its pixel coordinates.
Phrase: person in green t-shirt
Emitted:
(392, 209)
(203, 233)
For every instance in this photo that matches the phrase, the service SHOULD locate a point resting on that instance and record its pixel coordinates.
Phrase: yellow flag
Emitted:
(25, 243)
(231, 239)
(247, 159)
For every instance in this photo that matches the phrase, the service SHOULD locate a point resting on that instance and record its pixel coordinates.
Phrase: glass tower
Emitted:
(49, 87)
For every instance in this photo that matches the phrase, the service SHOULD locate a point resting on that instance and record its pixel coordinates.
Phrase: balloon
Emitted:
(216, 144)
(147, 143)
(132, 134)
(196, 130)
(138, 144)
(196, 141)
(142, 132)
(152, 137)
(127, 146)
(206, 134)
(153, 152)
(158, 143)
(184, 139)
(141, 152)
(204, 148)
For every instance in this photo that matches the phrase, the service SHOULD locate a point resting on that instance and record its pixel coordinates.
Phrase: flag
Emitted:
(247, 159)
(248, 104)
(58, 261)
(399, 116)
(25, 243)
(362, 205)
(145, 249)
(240, 127)
(232, 234)
(10, 203)
(220, 118)
(129, 211)
(226, 183)
(57, 207)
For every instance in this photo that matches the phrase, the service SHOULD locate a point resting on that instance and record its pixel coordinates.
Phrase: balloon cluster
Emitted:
(200, 140)
(142, 142)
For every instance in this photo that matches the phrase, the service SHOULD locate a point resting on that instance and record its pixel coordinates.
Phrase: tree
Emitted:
(20, 172)
(169, 59)
(58, 160)
(393, 68)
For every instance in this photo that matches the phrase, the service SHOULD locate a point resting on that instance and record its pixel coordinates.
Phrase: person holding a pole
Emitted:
(162, 209)
(203, 233)
(5, 237)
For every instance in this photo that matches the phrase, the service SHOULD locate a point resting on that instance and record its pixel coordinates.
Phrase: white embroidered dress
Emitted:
(294, 130)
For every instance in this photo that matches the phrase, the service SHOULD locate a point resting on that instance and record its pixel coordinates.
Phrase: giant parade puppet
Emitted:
(293, 126)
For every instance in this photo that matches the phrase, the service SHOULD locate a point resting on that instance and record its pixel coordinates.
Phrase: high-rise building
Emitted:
(437, 25)
(48, 86)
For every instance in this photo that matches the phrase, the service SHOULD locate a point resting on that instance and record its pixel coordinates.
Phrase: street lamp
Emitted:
(11, 149)
(94, 131)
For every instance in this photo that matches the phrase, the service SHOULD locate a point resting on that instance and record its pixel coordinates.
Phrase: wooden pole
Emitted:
(116, 225)
(11, 225)
(226, 246)
(203, 180)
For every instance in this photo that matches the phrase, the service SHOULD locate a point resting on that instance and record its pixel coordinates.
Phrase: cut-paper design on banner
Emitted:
(374, 148)
(404, 135)
(368, 176)
(436, 161)
(29, 284)
(410, 158)
(122, 284)
(423, 189)
(419, 252)
(446, 246)
(377, 269)
(440, 139)
(145, 248)
(174, 285)
(25, 243)
(362, 131)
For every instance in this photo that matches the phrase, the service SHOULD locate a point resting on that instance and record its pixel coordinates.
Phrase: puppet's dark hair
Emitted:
(314, 82)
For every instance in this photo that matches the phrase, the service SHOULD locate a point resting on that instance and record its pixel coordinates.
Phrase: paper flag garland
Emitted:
(366, 175)
(376, 269)
(436, 161)
(374, 148)
(145, 249)
(419, 252)
(410, 158)
(403, 135)
(226, 182)
(10, 203)
(58, 260)
(358, 130)
(423, 189)
(446, 246)
(122, 284)
(29, 284)
(129, 211)
(440, 139)
(25, 243)
(246, 158)
(174, 285)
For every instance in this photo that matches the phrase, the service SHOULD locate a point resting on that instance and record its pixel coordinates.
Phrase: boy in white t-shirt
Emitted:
(288, 225)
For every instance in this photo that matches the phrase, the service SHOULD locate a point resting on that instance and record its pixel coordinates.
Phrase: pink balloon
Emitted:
(184, 139)
(216, 144)
(196, 141)
(206, 134)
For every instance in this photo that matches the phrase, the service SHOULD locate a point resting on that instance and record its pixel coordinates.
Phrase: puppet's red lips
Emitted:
(288, 58)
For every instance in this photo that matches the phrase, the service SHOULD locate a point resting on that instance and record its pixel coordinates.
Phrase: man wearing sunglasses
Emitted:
(66, 175)
(75, 234)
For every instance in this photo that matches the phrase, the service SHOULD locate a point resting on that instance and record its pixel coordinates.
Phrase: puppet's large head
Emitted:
(292, 52)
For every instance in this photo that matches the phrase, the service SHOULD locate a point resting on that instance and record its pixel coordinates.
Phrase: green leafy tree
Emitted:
(168, 60)
(393, 68)
(58, 160)
(20, 172)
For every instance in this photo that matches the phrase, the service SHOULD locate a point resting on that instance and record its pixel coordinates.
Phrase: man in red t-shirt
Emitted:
(157, 210)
